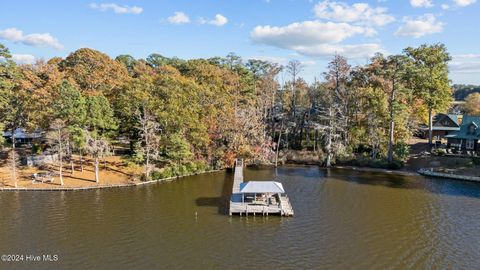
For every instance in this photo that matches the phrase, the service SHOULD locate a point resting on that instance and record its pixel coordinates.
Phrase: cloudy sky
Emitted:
(275, 30)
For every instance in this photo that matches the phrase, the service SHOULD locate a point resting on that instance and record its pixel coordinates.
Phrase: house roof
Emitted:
(21, 133)
(444, 122)
(451, 118)
(261, 187)
(464, 132)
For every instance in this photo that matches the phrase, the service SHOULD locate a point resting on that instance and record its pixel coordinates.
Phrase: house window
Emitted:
(470, 144)
(471, 129)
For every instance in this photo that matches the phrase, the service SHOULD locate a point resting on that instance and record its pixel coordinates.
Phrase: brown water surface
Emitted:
(343, 220)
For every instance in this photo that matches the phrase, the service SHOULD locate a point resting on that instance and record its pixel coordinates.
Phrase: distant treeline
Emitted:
(462, 91)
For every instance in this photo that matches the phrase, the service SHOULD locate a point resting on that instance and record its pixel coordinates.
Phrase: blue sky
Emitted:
(275, 30)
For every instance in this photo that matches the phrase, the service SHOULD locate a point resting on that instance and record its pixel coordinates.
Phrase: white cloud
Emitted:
(350, 51)
(315, 38)
(357, 13)
(306, 33)
(464, 3)
(466, 56)
(179, 18)
(37, 40)
(465, 63)
(117, 8)
(27, 59)
(272, 59)
(465, 67)
(308, 62)
(421, 3)
(420, 26)
(219, 20)
(445, 6)
(280, 60)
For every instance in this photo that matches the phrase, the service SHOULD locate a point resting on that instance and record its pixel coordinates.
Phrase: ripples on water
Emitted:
(343, 220)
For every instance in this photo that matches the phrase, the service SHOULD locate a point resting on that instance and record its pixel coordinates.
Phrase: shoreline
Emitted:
(430, 173)
(369, 169)
(170, 179)
(133, 184)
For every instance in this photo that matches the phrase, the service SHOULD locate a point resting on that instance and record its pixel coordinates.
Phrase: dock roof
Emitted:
(261, 187)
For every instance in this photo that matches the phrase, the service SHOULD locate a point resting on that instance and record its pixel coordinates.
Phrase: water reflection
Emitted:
(343, 220)
(433, 185)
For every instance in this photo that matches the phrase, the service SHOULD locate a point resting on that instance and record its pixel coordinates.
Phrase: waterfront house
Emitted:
(443, 125)
(22, 136)
(467, 138)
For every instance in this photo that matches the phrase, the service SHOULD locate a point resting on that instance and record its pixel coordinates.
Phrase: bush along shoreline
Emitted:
(178, 170)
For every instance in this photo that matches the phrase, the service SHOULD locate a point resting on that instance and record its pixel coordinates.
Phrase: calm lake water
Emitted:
(343, 220)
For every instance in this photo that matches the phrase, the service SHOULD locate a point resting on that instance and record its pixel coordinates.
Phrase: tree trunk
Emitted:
(60, 170)
(14, 160)
(60, 156)
(81, 161)
(286, 139)
(97, 178)
(278, 146)
(430, 127)
(147, 150)
(72, 167)
(301, 135)
(328, 162)
(392, 125)
(272, 112)
(390, 141)
(147, 167)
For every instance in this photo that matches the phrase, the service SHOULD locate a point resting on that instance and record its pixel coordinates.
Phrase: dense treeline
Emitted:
(178, 115)
(462, 91)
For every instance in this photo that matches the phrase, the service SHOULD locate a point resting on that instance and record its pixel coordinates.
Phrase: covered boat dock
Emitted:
(258, 197)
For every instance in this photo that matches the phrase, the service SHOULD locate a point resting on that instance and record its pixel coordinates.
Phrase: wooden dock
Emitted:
(238, 176)
(283, 208)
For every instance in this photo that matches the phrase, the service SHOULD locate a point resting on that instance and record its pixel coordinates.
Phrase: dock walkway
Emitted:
(238, 176)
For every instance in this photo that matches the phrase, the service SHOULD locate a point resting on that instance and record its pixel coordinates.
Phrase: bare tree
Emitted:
(58, 138)
(374, 134)
(294, 67)
(337, 76)
(149, 131)
(97, 148)
(14, 162)
(330, 121)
